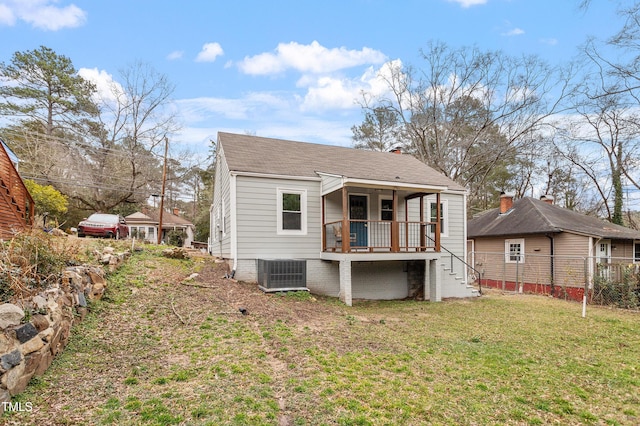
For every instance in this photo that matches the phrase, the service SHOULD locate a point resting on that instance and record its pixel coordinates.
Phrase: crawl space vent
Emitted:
(282, 275)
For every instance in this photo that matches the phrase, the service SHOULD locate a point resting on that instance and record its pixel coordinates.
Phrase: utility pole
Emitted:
(164, 181)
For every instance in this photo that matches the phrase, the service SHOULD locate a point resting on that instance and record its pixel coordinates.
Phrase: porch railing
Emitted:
(380, 236)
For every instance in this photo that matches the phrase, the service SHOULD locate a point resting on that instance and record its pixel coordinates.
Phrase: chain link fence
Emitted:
(610, 282)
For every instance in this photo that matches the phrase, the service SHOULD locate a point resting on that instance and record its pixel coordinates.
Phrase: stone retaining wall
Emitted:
(34, 331)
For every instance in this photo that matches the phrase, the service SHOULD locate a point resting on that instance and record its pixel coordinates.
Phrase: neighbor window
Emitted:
(292, 215)
(514, 251)
(636, 252)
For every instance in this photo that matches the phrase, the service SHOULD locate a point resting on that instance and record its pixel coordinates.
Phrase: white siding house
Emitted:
(144, 225)
(362, 224)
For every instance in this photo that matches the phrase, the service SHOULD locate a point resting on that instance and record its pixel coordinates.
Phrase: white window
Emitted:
(386, 208)
(292, 211)
(444, 216)
(151, 233)
(514, 251)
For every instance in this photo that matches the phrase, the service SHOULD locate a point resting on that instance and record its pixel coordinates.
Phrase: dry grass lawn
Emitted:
(159, 350)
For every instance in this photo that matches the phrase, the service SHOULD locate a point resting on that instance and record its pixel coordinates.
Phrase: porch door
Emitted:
(358, 211)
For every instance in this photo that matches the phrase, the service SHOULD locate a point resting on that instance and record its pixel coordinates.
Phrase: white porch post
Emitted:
(432, 281)
(345, 282)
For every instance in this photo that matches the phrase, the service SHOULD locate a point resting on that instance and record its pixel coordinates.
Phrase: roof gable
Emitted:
(138, 216)
(153, 217)
(253, 154)
(531, 216)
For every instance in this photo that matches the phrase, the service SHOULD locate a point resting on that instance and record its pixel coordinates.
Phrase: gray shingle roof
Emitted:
(531, 216)
(153, 216)
(245, 153)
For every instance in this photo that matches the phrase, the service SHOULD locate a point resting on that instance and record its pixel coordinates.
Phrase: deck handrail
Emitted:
(464, 262)
(379, 235)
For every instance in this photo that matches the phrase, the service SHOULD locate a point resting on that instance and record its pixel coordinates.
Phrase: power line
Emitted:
(85, 185)
(67, 143)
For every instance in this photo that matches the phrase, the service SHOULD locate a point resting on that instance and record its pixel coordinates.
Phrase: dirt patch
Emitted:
(233, 295)
(153, 331)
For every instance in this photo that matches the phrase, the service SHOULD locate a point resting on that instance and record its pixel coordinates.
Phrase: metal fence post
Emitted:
(518, 287)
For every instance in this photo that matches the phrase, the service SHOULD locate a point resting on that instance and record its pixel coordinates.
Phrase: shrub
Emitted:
(176, 238)
(30, 261)
(622, 291)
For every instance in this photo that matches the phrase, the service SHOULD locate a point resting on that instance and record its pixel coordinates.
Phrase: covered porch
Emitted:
(373, 222)
(368, 217)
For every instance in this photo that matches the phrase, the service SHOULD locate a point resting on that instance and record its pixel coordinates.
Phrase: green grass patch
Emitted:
(493, 360)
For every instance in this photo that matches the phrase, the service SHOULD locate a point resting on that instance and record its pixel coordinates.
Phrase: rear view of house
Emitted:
(16, 204)
(342, 222)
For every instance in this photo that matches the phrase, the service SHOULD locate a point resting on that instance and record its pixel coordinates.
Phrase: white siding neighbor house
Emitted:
(337, 221)
(143, 225)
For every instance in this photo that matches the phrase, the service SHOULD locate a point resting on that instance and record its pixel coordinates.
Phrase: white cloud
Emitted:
(176, 54)
(330, 93)
(513, 32)
(209, 52)
(333, 93)
(42, 14)
(7, 17)
(107, 88)
(313, 58)
(249, 106)
(322, 109)
(376, 80)
(468, 3)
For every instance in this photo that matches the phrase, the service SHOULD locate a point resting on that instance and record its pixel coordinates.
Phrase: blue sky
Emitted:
(289, 69)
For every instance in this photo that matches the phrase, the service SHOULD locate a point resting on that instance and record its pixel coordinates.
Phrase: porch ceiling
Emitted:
(332, 183)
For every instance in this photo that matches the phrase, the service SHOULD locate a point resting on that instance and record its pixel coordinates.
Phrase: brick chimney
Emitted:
(506, 202)
(176, 211)
(145, 210)
(547, 198)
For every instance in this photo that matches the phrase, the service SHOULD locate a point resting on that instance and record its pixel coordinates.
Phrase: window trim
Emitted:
(507, 250)
(303, 211)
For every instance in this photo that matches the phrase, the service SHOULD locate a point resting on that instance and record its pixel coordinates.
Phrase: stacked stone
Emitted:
(34, 331)
(176, 253)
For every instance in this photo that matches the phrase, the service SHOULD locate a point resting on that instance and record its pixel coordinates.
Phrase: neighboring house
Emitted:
(144, 225)
(16, 204)
(533, 245)
(338, 221)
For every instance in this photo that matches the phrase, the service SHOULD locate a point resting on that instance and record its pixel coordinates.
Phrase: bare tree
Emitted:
(468, 111)
(605, 127)
(134, 121)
